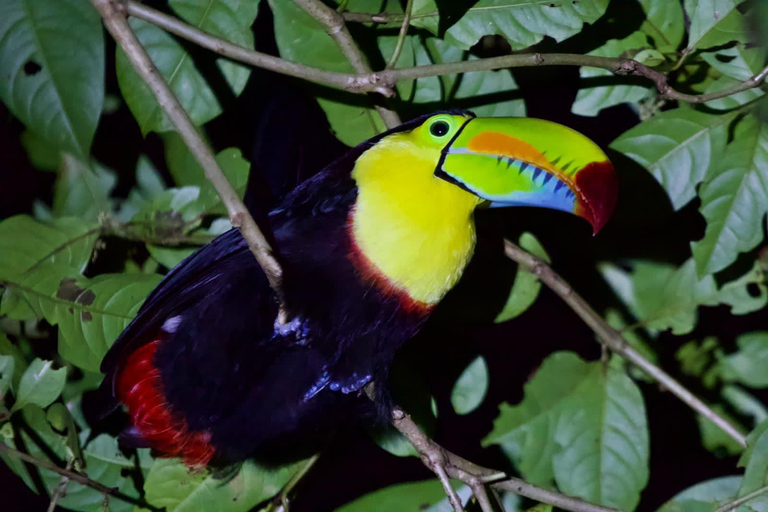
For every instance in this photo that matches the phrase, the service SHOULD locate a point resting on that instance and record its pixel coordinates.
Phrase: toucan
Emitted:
(369, 246)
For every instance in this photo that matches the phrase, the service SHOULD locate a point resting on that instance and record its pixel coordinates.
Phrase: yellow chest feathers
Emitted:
(416, 229)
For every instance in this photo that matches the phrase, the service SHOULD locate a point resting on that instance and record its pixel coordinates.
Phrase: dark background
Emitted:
(644, 227)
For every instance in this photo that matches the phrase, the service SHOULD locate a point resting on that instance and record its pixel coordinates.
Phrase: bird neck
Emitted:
(413, 233)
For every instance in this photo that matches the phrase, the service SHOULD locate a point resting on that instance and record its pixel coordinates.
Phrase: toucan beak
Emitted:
(531, 162)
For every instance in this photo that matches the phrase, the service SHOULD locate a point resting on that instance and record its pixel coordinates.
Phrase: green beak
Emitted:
(531, 162)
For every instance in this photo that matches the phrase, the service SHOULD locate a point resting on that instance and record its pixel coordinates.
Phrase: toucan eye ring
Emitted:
(439, 128)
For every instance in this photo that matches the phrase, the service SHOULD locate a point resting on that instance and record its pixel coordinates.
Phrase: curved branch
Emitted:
(115, 20)
(476, 477)
(338, 31)
(613, 339)
(382, 81)
(401, 36)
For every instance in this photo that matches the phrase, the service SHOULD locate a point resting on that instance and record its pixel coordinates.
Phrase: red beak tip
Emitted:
(599, 186)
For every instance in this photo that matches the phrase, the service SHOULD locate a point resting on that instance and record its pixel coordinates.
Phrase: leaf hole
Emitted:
(32, 68)
(753, 289)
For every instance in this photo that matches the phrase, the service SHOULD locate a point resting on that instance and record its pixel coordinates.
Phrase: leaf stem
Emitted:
(401, 36)
(114, 16)
(613, 338)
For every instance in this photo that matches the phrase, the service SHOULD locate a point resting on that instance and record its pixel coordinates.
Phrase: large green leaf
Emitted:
(40, 384)
(663, 23)
(90, 313)
(301, 38)
(705, 496)
(228, 19)
(755, 462)
(734, 100)
(26, 244)
(470, 388)
(706, 16)
(582, 424)
(734, 200)
(172, 486)
(602, 440)
(679, 148)
(408, 497)
(591, 100)
(748, 365)
(663, 296)
(425, 15)
(83, 190)
(524, 23)
(52, 69)
(737, 62)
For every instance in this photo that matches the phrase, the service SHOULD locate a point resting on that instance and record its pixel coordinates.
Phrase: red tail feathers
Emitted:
(139, 386)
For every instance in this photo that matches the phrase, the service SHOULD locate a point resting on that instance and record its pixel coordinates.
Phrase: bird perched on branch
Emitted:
(369, 246)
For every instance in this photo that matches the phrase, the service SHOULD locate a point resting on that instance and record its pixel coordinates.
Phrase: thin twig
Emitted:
(401, 36)
(60, 490)
(73, 476)
(114, 17)
(382, 81)
(477, 476)
(732, 505)
(280, 501)
(338, 31)
(613, 338)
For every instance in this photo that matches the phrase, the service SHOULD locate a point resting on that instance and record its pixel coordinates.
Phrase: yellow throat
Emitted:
(416, 229)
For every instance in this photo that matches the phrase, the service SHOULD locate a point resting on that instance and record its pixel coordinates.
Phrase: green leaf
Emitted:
(526, 286)
(602, 439)
(705, 496)
(665, 297)
(408, 497)
(755, 461)
(301, 38)
(227, 19)
(42, 154)
(650, 57)
(582, 424)
(738, 62)
(591, 100)
(26, 243)
(734, 200)
(19, 363)
(83, 190)
(171, 485)
(713, 438)
(734, 100)
(7, 364)
(706, 18)
(747, 366)
(679, 148)
(40, 385)
(425, 15)
(491, 93)
(149, 184)
(181, 163)
(663, 23)
(471, 386)
(524, 23)
(90, 313)
(52, 64)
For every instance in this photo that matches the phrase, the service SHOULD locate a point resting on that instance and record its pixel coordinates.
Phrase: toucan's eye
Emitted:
(439, 128)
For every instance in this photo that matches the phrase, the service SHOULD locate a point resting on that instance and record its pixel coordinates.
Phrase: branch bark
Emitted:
(382, 82)
(613, 338)
(442, 461)
(73, 476)
(115, 19)
(337, 29)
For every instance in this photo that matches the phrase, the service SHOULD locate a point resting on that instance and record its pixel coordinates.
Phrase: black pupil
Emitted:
(439, 128)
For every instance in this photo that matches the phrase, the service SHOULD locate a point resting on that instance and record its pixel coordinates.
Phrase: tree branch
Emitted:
(613, 338)
(114, 17)
(338, 31)
(442, 461)
(401, 36)
(73, 476)
(382, 81)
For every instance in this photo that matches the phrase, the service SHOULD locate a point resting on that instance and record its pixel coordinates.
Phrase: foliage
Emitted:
(581, 425)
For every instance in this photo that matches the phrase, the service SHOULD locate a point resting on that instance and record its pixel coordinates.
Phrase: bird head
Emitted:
(523, 162)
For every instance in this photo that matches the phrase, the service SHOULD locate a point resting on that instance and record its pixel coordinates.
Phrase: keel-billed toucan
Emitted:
(368, 246)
